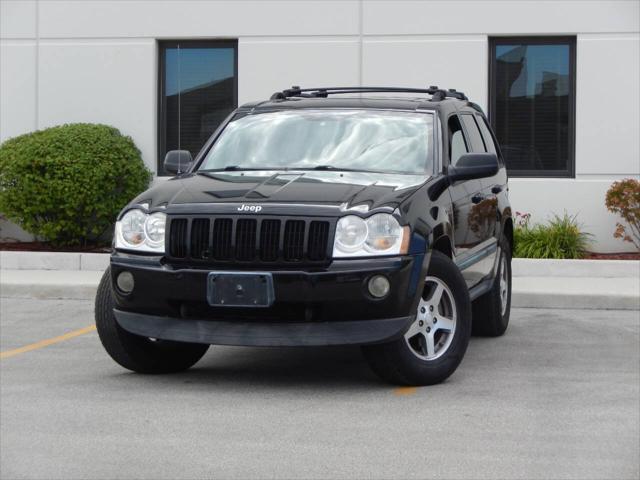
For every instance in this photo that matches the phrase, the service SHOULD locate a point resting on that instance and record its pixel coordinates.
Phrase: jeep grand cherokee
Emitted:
(324, 216)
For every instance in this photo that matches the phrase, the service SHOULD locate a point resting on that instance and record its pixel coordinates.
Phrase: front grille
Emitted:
(248, 239)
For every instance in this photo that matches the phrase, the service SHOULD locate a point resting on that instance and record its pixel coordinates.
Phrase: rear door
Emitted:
(496, 185)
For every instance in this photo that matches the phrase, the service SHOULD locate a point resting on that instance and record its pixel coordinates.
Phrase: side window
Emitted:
(477, 145)
(458, 145)
(486, 134)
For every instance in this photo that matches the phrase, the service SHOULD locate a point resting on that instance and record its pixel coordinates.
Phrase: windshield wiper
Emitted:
(333, 168)
(238, 168)
(326, 168)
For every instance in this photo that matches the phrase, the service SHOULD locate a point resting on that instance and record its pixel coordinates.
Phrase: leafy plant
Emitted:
(66, 184)
(623, 198)
(561, 238)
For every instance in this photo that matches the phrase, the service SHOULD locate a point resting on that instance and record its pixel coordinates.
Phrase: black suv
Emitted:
(320, 217)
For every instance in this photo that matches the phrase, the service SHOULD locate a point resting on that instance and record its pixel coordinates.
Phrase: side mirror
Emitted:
(178, 161)
(471, 166)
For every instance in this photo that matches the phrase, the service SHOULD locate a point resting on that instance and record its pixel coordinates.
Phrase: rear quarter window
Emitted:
(486, 134)
(477, 144)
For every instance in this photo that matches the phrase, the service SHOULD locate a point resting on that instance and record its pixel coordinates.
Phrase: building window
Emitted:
(532, 104)
(198, 88)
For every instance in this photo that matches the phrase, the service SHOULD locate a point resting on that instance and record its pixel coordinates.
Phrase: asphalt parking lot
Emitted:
(557, 397)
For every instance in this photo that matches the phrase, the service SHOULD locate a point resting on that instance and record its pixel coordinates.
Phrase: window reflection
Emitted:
(385, 141)
(198, 92)
(532, 97)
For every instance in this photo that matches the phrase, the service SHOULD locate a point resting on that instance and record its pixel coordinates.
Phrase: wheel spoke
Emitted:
(436, 296)
(430, 344)
(414, 329)
(445, 323)
(423, 305)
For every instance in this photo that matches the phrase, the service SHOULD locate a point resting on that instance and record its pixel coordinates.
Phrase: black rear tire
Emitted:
(489, 319)
(139, 354)
(396, 363)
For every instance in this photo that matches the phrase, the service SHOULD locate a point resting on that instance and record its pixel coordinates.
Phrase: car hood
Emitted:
(363, 190)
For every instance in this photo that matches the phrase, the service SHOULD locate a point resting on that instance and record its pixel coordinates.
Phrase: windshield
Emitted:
(368, 140)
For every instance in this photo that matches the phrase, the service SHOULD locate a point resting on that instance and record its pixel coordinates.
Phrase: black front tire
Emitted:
(396, 363)
(489, 317)
(139, 354)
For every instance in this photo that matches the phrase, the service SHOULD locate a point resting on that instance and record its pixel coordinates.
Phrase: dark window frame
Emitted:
(467, 141)
(161, 46)
(462, 115)
(570, 171)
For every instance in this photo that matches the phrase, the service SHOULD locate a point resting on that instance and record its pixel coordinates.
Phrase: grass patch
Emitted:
(562, 238)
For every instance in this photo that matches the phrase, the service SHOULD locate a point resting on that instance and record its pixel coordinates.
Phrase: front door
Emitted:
(474, 211)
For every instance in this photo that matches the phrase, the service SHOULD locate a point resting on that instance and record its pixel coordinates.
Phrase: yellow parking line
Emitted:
(405, 390)
(49, 341)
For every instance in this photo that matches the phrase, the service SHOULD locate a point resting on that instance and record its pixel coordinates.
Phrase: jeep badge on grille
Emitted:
(249, 208)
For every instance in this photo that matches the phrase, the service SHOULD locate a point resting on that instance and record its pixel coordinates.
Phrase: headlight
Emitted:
(133, 227)
(154, 229)
(380, 234)
(140, 231)
(351, 233)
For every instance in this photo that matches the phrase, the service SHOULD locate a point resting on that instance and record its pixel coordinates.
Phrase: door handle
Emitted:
(477, 198)
(496, 189)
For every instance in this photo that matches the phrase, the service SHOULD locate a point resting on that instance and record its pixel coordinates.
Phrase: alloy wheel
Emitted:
(431, 334)
(504, 284)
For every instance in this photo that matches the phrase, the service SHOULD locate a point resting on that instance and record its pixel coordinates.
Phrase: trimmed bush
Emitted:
(623, 198)
(66, 184)
(562, 238)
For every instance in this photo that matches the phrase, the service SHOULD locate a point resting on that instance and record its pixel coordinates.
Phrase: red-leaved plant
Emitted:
(623, 198)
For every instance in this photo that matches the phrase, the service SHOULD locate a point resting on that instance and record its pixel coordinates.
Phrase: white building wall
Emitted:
(96, 61)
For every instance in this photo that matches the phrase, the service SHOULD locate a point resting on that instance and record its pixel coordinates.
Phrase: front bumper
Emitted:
(323, 306)
(268, 334)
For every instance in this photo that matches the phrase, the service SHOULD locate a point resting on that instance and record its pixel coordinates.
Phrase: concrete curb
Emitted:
(533, 267)
(531, 292)
(74, 285)
(586, 284)
(522, 267)
(71, 261)
(578, 293)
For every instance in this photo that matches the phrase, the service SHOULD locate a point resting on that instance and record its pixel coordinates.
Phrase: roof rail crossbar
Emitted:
(437, 94)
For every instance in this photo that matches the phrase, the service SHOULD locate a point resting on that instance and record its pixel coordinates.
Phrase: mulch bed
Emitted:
(614, 256)
(46, 247)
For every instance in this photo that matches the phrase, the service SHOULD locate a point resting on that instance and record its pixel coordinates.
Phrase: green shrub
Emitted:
(562, 238)
(66, 184)
(623, 198)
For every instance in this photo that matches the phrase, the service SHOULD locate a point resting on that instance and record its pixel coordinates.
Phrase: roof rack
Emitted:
(437, 94)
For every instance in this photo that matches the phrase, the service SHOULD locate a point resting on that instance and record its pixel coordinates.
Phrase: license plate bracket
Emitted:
(240, 289)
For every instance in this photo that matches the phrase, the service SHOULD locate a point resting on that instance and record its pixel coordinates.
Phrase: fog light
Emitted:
(379, 286)
(125, 282)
